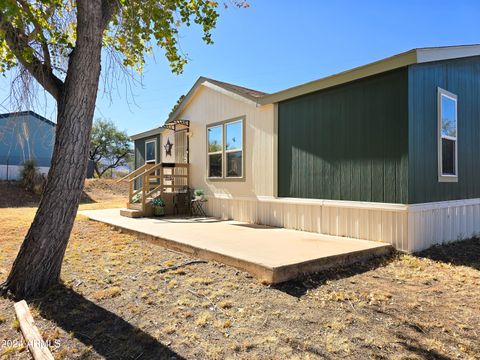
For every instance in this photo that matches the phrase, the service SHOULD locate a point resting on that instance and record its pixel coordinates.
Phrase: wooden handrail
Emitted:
(134, 172)
(147, 172)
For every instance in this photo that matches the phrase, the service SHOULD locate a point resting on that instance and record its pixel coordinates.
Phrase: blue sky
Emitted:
(276, 44)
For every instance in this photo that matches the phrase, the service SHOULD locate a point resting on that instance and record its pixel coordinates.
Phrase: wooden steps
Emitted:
(150, 181)
(136, 206)
(131, 213)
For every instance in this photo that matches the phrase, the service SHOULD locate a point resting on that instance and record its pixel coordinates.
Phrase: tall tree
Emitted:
(109, 147)
(60, 42)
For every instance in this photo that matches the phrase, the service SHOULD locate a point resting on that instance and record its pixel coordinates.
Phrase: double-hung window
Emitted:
(225, 150)
(447, 137)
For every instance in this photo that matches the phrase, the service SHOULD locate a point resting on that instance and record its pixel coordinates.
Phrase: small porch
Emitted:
(169, 181)
(270, 254)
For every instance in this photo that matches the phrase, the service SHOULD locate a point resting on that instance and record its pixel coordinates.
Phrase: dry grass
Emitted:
(114, 304)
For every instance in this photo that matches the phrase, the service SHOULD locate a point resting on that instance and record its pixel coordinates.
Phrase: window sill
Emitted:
(224, 179)
(448, 178)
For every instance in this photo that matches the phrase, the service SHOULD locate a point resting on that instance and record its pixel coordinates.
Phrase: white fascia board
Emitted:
(447, 53)
(422, 55)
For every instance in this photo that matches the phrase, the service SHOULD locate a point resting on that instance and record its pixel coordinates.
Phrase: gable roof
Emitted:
(240, 90)
(415, 56)
(232, 90)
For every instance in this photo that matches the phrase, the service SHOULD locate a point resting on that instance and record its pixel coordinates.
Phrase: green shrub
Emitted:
(28, 174)
(199, 192)
(158, 201)
(31, 178)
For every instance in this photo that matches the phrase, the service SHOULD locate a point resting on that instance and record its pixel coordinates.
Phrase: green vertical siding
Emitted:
(461, 77)
(346, 143)
(140, 154)
(140, 150)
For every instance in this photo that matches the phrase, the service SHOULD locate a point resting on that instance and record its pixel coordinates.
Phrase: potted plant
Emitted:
(158, 206)
(199, 194)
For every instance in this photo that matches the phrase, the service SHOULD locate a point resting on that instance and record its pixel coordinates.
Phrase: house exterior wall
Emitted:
(139, 146)
(442, 212)
(140, 150)
(461, 77)
(254, 199)
(209, 106)
(25, 136)
(358, 160)
(349, 142)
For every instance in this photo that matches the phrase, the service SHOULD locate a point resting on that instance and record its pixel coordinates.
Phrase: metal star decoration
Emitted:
(168, 148)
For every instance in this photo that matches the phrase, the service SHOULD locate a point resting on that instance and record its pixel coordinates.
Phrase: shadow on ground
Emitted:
(109, 335)
(413, 345)
(299, 287)
(464, 253)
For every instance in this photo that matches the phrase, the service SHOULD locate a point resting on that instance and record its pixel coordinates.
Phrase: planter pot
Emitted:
(198, 197)
(159, 210)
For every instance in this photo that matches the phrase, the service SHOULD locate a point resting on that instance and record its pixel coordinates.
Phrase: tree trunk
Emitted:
(39, 261)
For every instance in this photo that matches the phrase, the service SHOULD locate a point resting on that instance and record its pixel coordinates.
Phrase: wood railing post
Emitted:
(130, 191)
(161, 181)
(144, 191)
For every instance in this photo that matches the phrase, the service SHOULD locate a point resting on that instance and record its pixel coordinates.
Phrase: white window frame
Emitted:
(441, 176)
(154, 141)
(232, 150)
(224, 151)
(215, 152)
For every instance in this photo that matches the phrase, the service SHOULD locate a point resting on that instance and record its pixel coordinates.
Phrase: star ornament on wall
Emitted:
(168, 148)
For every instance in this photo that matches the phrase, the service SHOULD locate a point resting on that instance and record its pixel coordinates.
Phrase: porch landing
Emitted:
(272, 255)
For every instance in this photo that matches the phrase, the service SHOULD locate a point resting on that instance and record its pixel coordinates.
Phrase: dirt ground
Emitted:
(119, 300)
(97, 193)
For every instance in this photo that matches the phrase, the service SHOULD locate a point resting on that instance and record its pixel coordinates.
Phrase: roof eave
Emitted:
(148, 133)
(415, 56)
(206, 82)
(394, 62)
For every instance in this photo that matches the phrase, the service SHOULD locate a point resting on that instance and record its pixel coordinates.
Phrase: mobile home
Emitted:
(388, 151)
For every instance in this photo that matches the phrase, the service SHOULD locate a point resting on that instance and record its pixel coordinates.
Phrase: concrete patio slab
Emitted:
(272, 255)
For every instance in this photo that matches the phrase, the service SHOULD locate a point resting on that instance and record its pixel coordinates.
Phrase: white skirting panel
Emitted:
(408, 228)
(443, 222)
(378, 222)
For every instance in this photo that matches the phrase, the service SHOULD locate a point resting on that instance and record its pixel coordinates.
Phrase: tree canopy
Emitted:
(41, 34)
(109, 148)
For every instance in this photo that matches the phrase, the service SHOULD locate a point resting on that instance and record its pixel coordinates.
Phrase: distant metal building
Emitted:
(25, 136)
